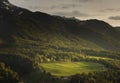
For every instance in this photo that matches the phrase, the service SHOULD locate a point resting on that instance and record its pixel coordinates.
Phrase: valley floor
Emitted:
(71, 68)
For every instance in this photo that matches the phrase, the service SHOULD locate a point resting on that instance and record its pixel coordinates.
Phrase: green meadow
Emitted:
(67, 69)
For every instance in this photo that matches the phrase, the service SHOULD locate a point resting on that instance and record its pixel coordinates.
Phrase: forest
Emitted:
(33, 44)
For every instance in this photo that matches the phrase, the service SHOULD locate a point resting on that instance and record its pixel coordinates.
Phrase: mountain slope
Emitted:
(31, 25)
(118, 28)
(31, 33)
(29, 38)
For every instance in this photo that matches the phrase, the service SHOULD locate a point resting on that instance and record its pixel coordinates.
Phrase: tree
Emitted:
(7, 75)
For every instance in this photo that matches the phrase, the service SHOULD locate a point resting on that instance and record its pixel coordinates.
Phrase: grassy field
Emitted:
(67, 69)
(97, 57)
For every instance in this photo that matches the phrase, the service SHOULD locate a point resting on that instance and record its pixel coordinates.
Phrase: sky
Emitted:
(106, 10)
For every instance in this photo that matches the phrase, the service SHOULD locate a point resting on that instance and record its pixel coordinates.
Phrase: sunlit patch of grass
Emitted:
(67, 69)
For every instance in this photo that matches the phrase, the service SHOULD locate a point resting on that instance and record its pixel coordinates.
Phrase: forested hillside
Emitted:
(30, 38)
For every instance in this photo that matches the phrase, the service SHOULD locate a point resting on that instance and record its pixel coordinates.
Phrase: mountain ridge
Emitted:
(87, 30)
(28, 39)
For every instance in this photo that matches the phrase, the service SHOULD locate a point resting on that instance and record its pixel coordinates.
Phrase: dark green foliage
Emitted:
(29, 38)
(17, 63)
(7, 75)
(110, 54)
(109, 76)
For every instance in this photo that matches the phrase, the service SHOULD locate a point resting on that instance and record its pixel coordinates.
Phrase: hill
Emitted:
(118, 28)
(35, 37)
(36, 26)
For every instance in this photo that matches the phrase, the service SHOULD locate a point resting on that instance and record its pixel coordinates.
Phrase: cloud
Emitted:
(114, 18)
(110, 10)
(83, 0)
(17, 1)
(65, 6)
(71, 14)
(34, 7)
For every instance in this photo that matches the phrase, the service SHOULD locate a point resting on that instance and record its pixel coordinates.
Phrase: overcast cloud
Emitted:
(107, 10)
(114, 18)
(71, 14)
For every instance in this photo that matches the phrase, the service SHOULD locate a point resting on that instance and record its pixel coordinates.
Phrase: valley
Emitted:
(36, 47)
